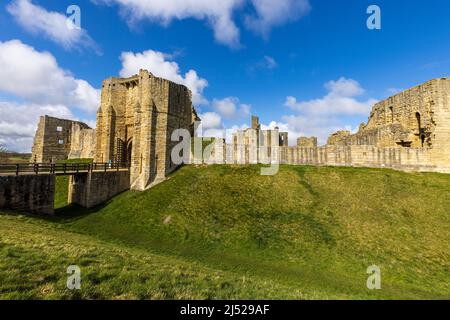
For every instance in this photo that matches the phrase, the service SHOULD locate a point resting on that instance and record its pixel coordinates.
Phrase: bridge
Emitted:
(59, 168)
(30, 187)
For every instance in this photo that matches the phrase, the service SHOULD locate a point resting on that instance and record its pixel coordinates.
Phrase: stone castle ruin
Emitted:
(135, 121)
(137, 116)
(60, 139)
(409, 131)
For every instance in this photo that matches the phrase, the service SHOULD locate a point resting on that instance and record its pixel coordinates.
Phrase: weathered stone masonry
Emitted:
(135, 122)
(94, 188)
(28, 193)
(409, 131)
(61, 139)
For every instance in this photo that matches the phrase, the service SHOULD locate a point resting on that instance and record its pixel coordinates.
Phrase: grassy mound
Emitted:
(34, 257)
(306, 232)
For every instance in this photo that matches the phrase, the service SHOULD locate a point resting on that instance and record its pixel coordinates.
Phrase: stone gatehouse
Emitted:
(135, 122)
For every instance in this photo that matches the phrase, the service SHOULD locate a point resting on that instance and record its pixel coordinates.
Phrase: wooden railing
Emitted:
(59, 168)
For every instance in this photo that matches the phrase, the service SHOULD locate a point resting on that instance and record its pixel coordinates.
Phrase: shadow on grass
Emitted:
(71, 212)
(74, 211)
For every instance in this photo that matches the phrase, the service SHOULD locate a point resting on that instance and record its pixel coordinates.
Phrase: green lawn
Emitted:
(228, 232)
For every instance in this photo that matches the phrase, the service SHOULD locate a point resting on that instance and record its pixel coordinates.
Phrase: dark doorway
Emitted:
(421, 131)
(419, 124)
(129, 152)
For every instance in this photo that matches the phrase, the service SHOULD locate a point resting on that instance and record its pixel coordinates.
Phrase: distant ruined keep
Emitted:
(409, 131)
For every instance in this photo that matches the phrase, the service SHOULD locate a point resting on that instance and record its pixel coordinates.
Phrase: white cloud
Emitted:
(18, 122)
(211, 120)
(341, 99)
(212, 126)
(159, 65)
(267, 63)
(53, 25)
(219, 14)
(36, 76)
(323, 116)
(231, 108)
(43, 87)
(269, 14)
(307, 125)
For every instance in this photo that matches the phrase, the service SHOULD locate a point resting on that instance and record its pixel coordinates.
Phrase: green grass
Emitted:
(305, 233)
(35, 256)
(83, 160)
(62, 183)
(62, 189)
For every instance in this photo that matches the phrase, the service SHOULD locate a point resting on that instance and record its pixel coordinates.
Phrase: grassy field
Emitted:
(227, 232)
(14, 157)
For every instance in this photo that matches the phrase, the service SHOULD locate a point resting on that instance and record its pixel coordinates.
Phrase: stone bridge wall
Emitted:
(94, 188)
(36, 193)
(28, 193)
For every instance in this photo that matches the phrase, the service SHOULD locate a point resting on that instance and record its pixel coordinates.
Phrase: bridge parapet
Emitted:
(59, 168)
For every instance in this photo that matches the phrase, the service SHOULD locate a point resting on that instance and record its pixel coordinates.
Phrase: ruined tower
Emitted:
(62, 139)
(135, 122)
(415, 121)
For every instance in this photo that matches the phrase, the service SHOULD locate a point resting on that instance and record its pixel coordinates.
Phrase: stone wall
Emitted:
(360, 156)
(82, 143)
(208, 150)
(61, 139)
(94, 188)
(409, 131)
(28, 193)
(254, 145)
(135, 122)
(310, 142)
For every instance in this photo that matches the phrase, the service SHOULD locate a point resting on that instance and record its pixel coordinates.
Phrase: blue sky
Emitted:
(309, 67)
